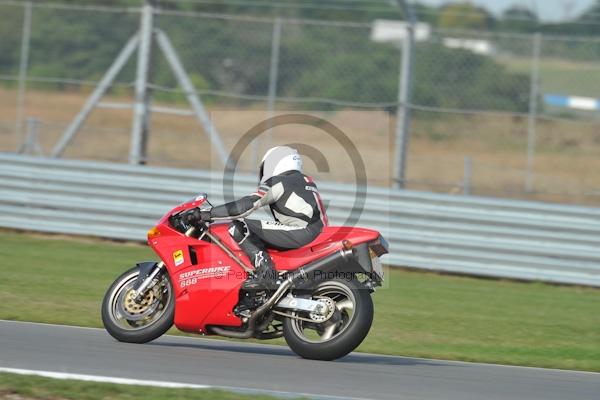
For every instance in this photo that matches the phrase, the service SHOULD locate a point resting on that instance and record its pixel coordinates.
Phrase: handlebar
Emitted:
(186, 225)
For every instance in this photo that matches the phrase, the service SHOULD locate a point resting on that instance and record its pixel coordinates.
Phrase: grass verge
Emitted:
(61, 280)
(26, 387)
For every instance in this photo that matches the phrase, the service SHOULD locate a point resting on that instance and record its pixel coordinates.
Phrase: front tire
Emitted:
(342, 332)
(130, 322)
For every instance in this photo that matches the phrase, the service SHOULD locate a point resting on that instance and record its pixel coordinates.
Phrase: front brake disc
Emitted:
(133, 311)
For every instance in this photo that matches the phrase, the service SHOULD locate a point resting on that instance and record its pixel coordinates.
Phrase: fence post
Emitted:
(533, 105)
(467, 175)
(23, 66)
(272, 95)
(404, 97)
(31, 144)
(139, 130)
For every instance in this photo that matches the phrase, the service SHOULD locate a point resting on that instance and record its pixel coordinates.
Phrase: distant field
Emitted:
(62, 280)
(570, 78)
(566, 161)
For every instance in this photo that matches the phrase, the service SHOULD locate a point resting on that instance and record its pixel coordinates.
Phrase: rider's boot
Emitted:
(264, 276)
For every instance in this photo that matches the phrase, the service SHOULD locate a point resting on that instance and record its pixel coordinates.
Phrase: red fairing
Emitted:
(207, 281)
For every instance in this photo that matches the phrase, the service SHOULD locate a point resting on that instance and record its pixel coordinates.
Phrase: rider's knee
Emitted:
(238, 230)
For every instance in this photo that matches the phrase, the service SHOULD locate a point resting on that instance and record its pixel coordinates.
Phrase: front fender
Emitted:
(146, 268)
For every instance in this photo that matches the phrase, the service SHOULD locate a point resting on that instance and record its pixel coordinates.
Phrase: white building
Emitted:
(384, 31)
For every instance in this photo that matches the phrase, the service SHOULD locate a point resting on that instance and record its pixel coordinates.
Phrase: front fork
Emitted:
(140, 292)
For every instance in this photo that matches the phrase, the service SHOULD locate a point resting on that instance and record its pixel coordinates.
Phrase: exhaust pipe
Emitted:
(324, 265)
(303, 274)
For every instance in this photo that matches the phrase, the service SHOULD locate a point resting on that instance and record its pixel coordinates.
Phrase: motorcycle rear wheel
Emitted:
(340, 334)
(131, 322)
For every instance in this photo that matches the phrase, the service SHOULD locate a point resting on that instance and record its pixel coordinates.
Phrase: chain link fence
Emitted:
(495, 114)
(506, 114)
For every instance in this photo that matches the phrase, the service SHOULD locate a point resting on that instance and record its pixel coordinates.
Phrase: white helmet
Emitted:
(278, 160)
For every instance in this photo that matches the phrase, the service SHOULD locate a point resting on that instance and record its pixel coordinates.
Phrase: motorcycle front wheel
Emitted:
(132, 322)
(343, 331)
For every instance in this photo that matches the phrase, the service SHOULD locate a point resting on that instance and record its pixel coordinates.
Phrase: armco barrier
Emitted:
(460, 234)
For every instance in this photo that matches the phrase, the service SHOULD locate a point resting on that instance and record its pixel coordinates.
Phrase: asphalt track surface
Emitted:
(275, 369)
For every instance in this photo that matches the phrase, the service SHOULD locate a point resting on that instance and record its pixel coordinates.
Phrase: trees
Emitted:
(591, 19)
(592, 14)
(464, 16)
(10, 36)
(232, 55)
(461, 79)
(447, 78)
(519, 18)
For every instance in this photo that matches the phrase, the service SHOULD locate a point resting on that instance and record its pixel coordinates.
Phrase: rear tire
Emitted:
(137, 329)
(346, 334)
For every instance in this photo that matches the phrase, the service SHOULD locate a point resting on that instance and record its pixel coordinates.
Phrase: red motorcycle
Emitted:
(322, 305)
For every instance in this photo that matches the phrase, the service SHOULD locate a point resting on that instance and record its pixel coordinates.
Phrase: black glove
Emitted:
(195, 215)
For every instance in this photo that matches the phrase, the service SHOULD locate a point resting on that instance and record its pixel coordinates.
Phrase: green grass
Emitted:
(569, 78)
(34, 387)
(62, 281)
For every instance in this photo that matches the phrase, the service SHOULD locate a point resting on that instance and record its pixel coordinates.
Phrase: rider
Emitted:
(296, 207)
